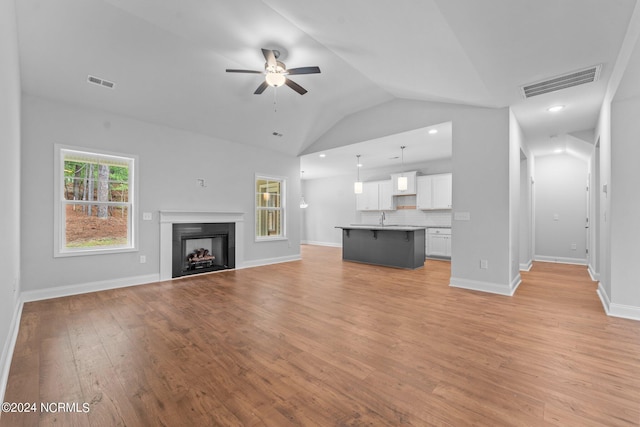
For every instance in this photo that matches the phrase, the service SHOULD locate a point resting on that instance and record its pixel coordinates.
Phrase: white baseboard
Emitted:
(329, 244)
(527, 266)
(103, 285)
(560, 260)
(9, 346)
(617, 310)
(594, 276)
(269, 261)
(494, 288)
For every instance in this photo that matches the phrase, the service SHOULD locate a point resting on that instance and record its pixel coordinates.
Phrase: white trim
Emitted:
(604, 298)
(313, 242)
(560, 260)
(59, 237)
(269, 261)
(527, 266)
(282, 209)
(594, 276)
(168, 218)
(9, 347)
(494, 288)
(617, 310)
(83, 288)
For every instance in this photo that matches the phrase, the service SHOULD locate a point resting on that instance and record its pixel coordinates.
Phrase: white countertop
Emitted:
(391, 227)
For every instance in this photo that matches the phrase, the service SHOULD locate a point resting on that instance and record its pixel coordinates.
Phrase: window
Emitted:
(94, 202)
(270, 196)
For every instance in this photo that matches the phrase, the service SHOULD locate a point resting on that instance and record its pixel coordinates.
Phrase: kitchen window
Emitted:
(270, 208)
(95, 202)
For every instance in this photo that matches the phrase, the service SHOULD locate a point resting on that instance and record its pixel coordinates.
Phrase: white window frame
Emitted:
(60, 249)
(282, 208)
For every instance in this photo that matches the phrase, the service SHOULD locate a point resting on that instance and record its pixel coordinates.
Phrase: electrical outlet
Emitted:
(574, 247)
(484, 264)
(147, 216)
(143, 259)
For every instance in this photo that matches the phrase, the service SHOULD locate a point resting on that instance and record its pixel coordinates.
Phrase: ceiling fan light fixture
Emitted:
(275, 79)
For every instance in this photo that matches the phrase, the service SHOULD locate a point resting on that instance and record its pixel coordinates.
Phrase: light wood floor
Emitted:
(328, 343)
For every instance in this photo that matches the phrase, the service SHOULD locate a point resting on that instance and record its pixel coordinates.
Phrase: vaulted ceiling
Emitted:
(168, 59)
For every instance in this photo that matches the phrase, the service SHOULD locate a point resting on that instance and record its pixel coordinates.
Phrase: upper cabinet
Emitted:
(386, 202)
(368, 199)
(434, 191)
(411, 183)
(376, 196)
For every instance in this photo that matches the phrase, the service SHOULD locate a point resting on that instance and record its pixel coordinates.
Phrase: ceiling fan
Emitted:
(276, 73)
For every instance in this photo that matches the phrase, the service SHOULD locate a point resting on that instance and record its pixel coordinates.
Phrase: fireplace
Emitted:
(202, 247)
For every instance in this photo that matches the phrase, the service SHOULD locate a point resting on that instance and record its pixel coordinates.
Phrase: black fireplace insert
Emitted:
(202, 247)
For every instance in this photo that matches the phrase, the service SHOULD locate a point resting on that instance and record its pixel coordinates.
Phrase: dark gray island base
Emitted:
(387, 245)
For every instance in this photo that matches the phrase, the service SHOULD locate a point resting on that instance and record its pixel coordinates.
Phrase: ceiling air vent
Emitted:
(576, 78)
(100, 82)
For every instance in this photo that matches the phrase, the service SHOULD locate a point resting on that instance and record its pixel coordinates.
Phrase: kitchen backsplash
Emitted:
(409, 217)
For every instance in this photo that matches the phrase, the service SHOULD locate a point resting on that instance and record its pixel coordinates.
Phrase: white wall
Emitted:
(526, 217)
(170, 161)
(331, 203)
(603, 133)
(10, 178)
(624, 196)
(481, 179)
(516, 140)
(561, 181)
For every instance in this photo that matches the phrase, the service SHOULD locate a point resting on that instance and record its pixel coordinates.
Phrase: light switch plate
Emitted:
(147, 216)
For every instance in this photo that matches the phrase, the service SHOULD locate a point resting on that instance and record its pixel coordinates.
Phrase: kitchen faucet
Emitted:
(382, 218)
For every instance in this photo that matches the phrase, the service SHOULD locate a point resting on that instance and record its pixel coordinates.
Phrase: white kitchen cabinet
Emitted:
(442, 186)
(368, 199)
(434, 191)
(439, 242)
(411, 183)
(386, 202)
(375, 196)
(424, 192)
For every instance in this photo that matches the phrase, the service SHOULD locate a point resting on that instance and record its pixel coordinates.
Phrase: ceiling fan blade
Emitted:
(303, 70)
(261, 88)
(270, 57)
(232, 70)
(295, 86)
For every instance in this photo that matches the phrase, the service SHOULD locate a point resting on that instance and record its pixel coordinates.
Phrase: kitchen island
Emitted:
(388, 245)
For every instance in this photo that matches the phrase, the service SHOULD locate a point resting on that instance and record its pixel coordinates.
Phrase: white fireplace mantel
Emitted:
(168, 218)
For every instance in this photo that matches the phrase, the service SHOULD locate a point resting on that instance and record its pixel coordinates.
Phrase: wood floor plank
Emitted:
(322, 342)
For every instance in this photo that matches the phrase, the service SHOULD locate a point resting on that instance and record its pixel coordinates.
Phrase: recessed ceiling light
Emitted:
(558, 150)
(359, 165)
(555, 108)
(323, 155)
(433, 131)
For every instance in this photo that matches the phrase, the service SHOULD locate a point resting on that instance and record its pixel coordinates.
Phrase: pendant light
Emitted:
(303, 204)
(357, 186)
(403, 182)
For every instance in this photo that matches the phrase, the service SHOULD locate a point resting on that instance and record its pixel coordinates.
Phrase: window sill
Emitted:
(85, 252)
(271, 239)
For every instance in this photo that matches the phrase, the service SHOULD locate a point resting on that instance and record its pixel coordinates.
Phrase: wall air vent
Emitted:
(575, 78)
(100, 82)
